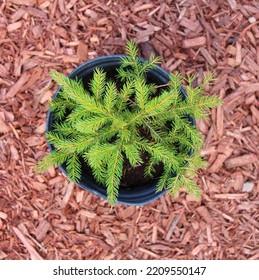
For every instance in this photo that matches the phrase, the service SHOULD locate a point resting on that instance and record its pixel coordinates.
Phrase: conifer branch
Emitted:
(54, 159)
(97, 84)
(132, 153)
(74, 167)
(126, 118)
(125, 93)
(114, 174)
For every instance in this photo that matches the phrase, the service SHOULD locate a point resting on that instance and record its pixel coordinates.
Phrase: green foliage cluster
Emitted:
(104, 126)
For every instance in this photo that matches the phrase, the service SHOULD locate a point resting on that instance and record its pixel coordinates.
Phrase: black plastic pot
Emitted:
(139, 195)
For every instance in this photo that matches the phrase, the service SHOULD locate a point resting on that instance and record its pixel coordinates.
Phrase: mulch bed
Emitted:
(42, 216)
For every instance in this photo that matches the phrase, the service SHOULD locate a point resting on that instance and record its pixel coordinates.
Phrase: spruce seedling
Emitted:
(103, 126)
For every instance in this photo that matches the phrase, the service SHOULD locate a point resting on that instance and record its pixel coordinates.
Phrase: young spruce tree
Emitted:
(103, 126)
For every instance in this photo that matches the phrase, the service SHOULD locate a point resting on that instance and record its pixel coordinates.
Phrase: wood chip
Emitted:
(4, 128)
(221, 159)
(38, 186)
(252, 88)
(220, 121)
(35, 76)
(238, 180)
(230, 196)
(42, 229)
(186, 238)
(189, 24)
(127, 212)
(172, 227)
(2, 255)
(13, 26)
(14, 152)
(205, 214)
(110, 239)
(36, 12)
(18, 85)
(238, 53)
(194, 42)
(68, 194)
(23, 2)
(208, 57)
(62, 32)
(143, 36)
(82, 51)
(241, 160)
(255, 112)
(3, 215)
(33, 253)
(148, 252)
(232, 4)
(143, 8)
(40, 129)
(197, 249)
(87, 214)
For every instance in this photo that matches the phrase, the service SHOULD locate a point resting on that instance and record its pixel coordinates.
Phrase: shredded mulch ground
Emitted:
(44, 217)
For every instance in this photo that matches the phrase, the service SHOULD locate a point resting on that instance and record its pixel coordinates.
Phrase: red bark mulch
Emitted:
(44, 217)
